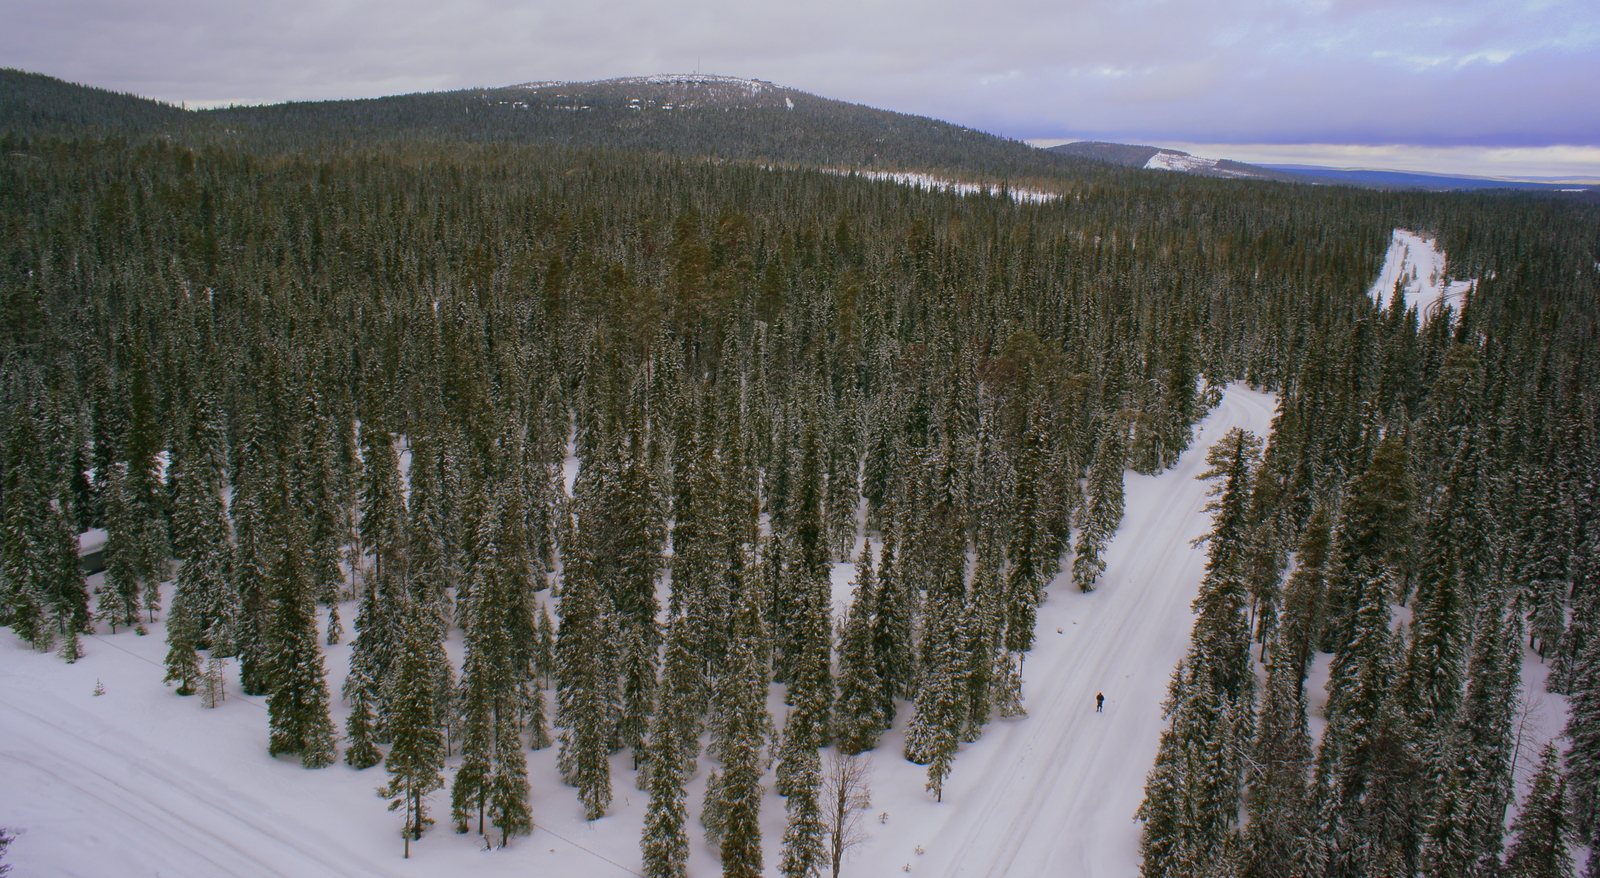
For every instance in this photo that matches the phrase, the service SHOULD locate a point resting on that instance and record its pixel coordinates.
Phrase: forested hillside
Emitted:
(289, 358)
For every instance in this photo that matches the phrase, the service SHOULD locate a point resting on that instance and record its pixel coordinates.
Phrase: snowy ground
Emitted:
(938, 184)
(1418, 265)
(140, 782)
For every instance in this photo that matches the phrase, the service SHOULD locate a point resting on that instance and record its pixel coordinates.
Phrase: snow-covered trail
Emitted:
(1055, 794)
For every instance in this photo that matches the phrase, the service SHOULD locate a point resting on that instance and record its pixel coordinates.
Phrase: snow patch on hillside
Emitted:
(930, 183)
(1419, 267)
(1170, 160)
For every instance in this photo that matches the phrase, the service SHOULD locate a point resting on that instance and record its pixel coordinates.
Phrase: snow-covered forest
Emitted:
(619, 514)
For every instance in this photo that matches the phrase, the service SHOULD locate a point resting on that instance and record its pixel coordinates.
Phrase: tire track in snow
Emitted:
(163, 796)
(1059, 787)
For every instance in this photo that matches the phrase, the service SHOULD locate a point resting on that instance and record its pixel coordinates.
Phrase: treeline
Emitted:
(356, 373)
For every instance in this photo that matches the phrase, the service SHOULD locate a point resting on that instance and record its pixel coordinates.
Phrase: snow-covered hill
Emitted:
(666, 92)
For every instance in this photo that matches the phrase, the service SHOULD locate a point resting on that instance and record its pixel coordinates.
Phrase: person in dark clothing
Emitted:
(1099, 701)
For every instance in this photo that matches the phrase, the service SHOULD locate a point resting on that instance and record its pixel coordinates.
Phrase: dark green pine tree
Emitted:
(673, 746)
(205, 602)
(253, 557)
(1277, 775)
(42, 594)
(733, 798)
(935, 730)
(586, 674)
(1368, 818)
(493, 769)
(372, 661)
(297, 705)
(1543, 831)
(858, 714)
(894, 653)
(136, 540)
(1102, 513)
(383, 511)
(803, 852)
(416, 759)
(1583, 747)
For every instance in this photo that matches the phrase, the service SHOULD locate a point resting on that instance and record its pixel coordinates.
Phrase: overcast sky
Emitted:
(1500, 87)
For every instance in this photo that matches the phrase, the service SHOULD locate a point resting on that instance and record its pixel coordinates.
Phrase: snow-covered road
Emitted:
(1055, 793)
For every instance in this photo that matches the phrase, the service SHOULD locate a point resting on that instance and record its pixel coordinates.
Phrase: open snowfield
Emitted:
(1418, 265)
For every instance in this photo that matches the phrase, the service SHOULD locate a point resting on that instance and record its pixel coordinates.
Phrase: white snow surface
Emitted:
(1419, 266)
(1167, 160)
(141, 782)
(938, 184)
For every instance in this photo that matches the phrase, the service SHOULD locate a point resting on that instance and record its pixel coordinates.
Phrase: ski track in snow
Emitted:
(1056, 793)
(1419, 266)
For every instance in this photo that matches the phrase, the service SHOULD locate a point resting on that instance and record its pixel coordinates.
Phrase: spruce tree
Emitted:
(1102, 514)
(297, 705)
(673, 745)
(416, 760)
(858, 713)
(1543, 830)
(803, 853)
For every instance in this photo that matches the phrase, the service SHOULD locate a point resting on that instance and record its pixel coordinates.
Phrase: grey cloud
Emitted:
(1369, 71)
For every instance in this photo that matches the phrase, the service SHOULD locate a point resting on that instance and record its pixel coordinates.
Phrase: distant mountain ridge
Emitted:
(1158, 158)
(689, 115)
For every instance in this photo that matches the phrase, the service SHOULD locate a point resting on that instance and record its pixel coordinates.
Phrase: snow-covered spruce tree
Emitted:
(416, 759)
(1583, 747)
(42, 594)
(858, 713)
(136, 538)
(297, 704)
(1372, 533)
(894, 654)
(205, 602)
(803, 853)
(1102, 513)
(636, 554)
(934, 734)
(1030, 565)
(253, 556)
(1189, 805)
(588, 680)
(1212, 692)
(1486, 734)
(673, 745)
(1277, 776)
(493, 768)
(319, 482)
(1366, 771)
(383, 510)
(1301, 622)
(428, 562)
(733, 797)
(1543, 830)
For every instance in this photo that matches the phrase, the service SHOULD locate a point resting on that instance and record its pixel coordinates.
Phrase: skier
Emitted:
(1099, 701)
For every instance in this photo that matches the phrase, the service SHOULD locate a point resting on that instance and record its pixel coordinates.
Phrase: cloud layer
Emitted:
(1482, 73)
